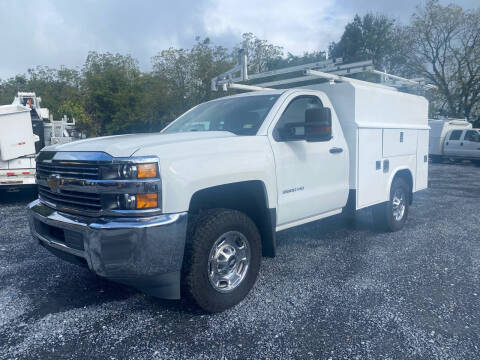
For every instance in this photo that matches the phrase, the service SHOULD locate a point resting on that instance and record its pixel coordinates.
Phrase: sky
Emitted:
(61, 32)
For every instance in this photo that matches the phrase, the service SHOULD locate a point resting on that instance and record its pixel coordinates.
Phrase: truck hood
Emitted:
(127, 145)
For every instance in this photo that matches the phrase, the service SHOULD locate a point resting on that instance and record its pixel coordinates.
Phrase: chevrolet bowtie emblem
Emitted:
(54, 181)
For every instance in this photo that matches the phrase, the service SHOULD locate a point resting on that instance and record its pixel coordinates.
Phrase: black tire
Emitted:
(383, 213)
(476, 162)
(203, 235)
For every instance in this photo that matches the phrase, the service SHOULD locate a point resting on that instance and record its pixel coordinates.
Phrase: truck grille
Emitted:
(68, 199)
(71, 199)
(68, 170)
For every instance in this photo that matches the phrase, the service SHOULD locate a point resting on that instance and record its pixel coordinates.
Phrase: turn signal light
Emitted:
(147, 201)
(146, 171)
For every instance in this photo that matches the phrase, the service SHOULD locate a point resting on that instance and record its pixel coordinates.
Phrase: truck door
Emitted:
(312, 177)
(471, 144)
(452, 143)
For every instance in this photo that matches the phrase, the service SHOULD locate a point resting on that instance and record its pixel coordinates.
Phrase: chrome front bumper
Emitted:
(146, 253)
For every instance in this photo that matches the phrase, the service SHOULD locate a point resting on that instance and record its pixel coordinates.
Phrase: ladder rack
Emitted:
(331, 69)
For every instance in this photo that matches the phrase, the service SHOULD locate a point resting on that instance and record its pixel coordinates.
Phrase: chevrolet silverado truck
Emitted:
(191, 210)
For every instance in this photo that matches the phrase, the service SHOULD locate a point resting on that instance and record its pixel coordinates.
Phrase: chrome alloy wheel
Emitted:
(228, 261)
(398, 204)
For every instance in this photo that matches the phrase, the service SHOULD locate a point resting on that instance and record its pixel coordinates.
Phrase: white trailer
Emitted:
(25, 128)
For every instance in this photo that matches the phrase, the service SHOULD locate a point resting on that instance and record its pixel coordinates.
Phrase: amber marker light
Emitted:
(146, 171)
(147, 201)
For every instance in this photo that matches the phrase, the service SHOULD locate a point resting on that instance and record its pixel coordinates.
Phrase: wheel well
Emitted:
(249, 197)
(406, 175)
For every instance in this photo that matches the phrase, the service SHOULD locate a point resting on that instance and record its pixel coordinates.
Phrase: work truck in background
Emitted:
(454, 139)
(25, 128)
(190, 210)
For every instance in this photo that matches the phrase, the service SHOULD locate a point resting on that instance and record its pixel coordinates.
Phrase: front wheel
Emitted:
(222, 259)
(391, 215)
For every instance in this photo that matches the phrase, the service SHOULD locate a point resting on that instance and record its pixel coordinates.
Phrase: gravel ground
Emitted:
(332, 293)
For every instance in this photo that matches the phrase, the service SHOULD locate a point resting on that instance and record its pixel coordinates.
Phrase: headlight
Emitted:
(138, 171)
(139, 186)
(128, 171)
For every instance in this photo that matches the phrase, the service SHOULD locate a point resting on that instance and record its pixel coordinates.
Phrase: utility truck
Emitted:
(25, 128)
(191, 210)
(454, 139)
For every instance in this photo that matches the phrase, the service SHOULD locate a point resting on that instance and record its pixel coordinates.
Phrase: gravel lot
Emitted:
(332, 292)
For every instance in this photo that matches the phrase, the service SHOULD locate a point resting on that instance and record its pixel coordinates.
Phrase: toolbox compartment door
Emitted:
(421, 180)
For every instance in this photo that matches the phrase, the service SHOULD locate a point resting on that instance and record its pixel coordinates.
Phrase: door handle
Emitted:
(461, 144)
(336, 150)
(447, 143)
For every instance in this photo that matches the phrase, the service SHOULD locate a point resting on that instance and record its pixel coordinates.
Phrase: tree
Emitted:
(10, 87)
(444, 48)
(373, 37)
(294, 60)
(261, 54)
(54, 86)
(188, 73)
(112, 84)
(83, 122)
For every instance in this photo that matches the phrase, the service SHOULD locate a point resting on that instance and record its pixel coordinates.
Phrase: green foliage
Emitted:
(373, 37)
(112, 85)
(83, 121)
(260, 53)
(186, 74)
(444, 47)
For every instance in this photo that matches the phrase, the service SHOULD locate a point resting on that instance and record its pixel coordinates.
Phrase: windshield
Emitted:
(239, 115)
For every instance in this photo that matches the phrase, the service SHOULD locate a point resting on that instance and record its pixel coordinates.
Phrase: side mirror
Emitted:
(318, 124)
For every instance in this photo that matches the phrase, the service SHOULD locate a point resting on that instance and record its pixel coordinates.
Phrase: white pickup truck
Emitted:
(454, 139)
(190, 211)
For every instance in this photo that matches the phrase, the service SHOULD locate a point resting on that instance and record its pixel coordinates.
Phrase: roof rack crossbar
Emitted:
(328, 69)
(248, 87)
(419, 82)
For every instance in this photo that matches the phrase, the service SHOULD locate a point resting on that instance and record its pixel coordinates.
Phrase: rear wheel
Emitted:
(391, 215)
(222, 259)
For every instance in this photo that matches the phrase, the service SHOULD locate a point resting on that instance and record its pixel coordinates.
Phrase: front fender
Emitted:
(187, 168)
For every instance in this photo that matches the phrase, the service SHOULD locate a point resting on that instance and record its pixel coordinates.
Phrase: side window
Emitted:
(295, 113)
(455, 135)
(472, 135)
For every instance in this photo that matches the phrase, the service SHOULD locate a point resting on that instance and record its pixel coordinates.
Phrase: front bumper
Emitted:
(146, 253)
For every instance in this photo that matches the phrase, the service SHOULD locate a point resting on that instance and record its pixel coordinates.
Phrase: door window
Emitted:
(472, 135)
(455, 135)
(295, 113)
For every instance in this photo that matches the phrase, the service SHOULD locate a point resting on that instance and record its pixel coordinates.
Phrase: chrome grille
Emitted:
(71, 199)
(68, 170)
